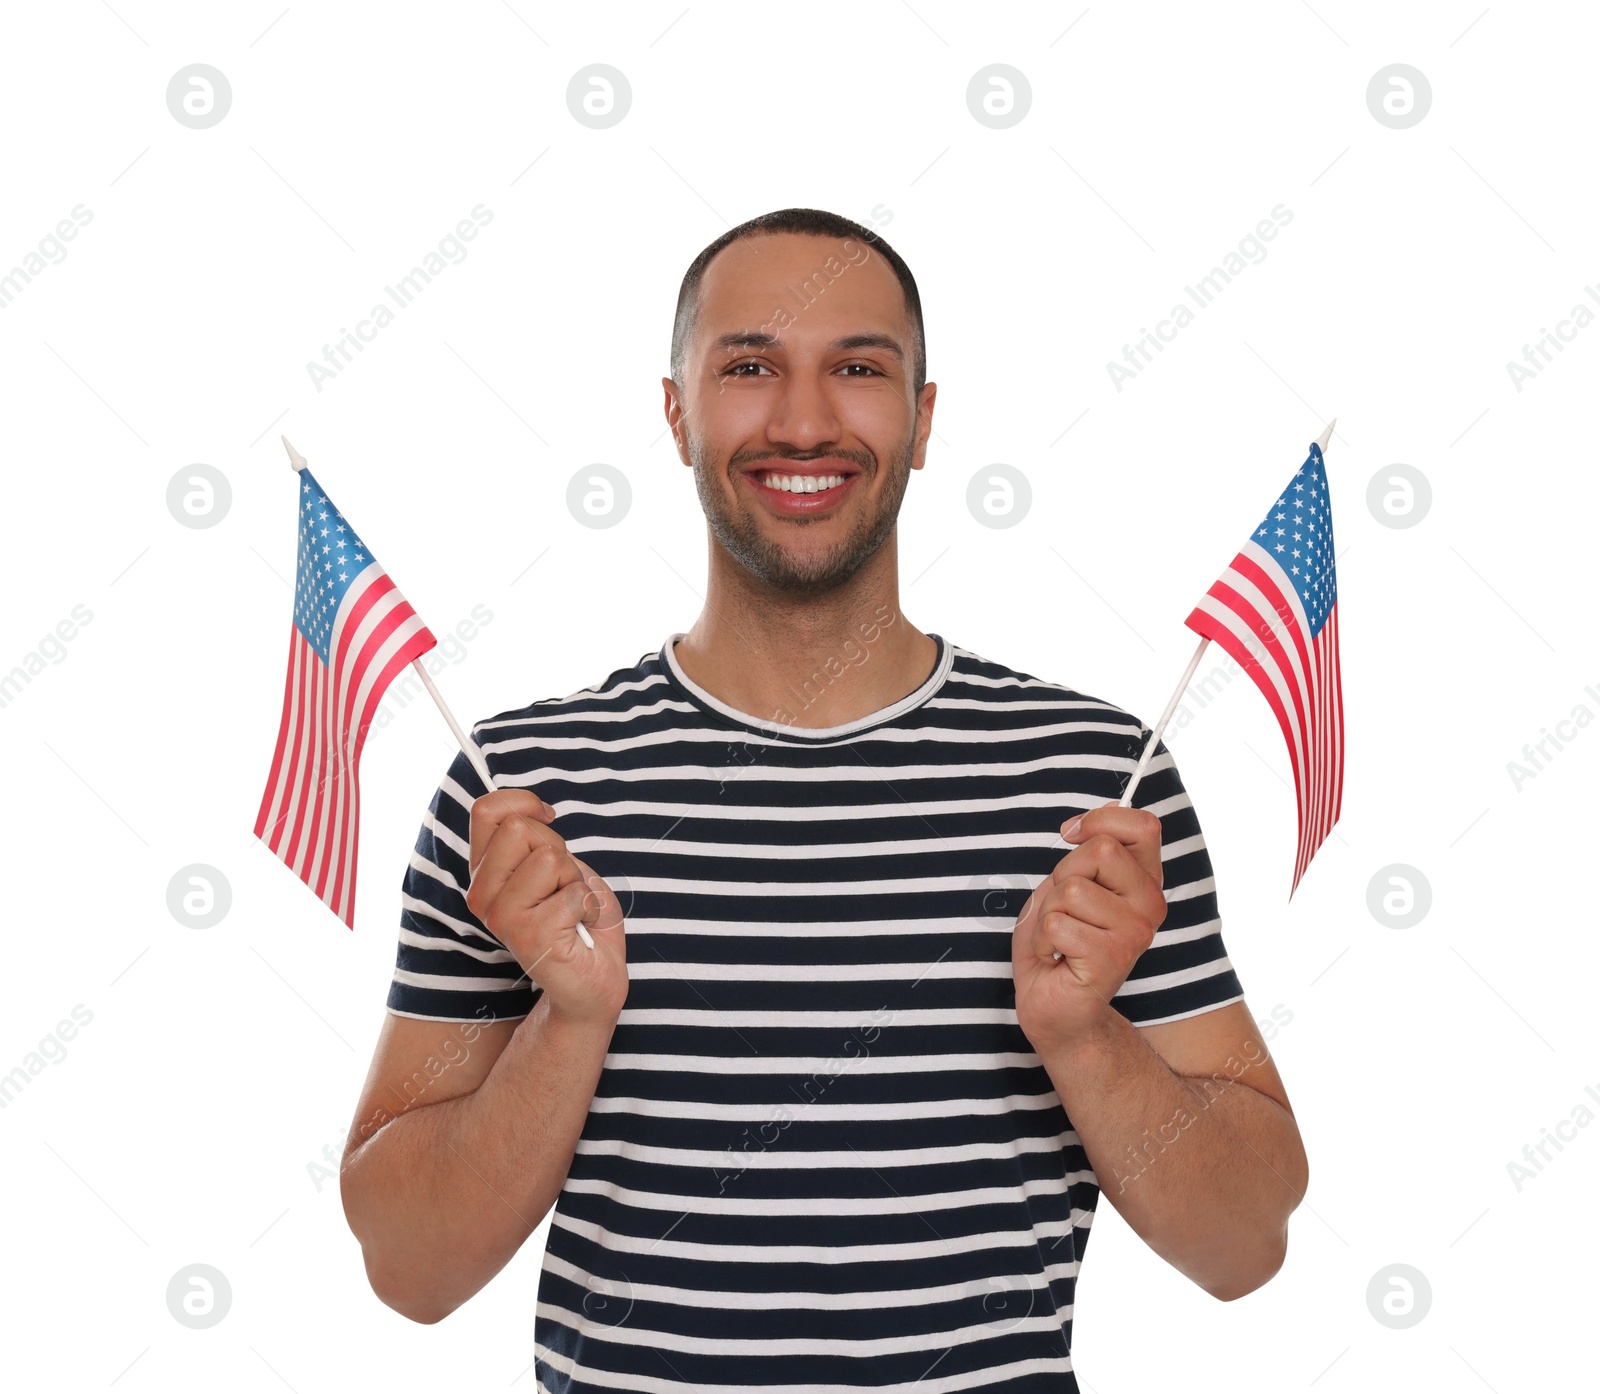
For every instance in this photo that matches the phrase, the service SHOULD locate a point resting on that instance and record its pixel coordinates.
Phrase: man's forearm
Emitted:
(1205, 1170)
(443, 1195)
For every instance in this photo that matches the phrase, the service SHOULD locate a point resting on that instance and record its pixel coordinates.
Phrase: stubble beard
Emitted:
(807, 576)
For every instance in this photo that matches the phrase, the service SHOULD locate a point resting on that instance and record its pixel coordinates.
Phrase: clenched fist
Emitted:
(1099, 909)
(531, 893)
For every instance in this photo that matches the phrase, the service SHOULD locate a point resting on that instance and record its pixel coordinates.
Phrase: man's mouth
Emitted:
(803, 488)
(790, 482)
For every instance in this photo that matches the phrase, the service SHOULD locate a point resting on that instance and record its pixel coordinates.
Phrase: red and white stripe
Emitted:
(311, 808)
(1254, 612)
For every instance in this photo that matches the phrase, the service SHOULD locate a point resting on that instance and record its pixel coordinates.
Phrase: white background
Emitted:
(183, 1121)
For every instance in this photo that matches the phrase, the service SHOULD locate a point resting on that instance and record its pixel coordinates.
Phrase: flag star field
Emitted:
(330, 557)
(1298, 531)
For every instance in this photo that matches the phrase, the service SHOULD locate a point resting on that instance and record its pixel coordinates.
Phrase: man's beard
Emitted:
(807, 577)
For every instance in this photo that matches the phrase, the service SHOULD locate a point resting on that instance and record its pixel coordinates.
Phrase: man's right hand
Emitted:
(531, 893)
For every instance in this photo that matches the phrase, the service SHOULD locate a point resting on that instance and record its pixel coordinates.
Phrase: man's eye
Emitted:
(734, 370)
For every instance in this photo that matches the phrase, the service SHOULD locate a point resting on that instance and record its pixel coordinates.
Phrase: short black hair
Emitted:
(814, 222)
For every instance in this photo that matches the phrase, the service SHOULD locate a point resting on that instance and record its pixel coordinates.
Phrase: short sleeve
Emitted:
(1186, 970)
(448, 967)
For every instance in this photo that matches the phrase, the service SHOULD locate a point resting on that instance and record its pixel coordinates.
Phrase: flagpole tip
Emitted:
(297, 461)
(1326, 436)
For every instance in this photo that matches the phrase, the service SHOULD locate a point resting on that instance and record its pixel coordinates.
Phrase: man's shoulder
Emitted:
(1064, 726)
(642, 682)
(976, 678)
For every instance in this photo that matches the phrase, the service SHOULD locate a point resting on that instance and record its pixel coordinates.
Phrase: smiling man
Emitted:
(822, 1107)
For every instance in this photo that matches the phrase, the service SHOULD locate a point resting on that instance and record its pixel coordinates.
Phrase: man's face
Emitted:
(800, 366)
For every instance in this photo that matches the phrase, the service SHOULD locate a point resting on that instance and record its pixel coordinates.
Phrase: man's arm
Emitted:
(1188, 1128)
(465, 1129)
(462, 1141)
(1186, 1125)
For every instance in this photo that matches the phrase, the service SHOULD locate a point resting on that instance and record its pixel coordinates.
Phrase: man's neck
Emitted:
(813, 663)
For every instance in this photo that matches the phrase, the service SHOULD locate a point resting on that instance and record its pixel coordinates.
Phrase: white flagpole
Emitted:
(469, 747)
(1155, 736)
(473, 753)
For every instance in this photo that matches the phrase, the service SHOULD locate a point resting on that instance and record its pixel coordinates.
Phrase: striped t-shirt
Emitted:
(822, 1155)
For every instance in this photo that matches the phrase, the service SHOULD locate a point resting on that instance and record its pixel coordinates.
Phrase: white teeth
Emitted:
(802, 483)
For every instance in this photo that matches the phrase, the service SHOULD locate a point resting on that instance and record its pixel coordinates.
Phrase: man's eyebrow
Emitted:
(878, 341)
(756, 339)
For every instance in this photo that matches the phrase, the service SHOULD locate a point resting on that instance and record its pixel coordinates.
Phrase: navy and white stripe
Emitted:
(821, 1156)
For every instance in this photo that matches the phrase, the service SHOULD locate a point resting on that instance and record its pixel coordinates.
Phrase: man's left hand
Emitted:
(1100, 909)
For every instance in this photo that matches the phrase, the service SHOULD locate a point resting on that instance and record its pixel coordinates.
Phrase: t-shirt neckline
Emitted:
(698, 695)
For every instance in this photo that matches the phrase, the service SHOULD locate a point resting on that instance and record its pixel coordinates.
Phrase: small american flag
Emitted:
(1276, 610)
(352, 633)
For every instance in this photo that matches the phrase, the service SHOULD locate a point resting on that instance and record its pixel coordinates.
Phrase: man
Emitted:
(821, 1108)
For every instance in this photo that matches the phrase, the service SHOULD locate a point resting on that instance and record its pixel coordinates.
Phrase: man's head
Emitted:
(798, 351)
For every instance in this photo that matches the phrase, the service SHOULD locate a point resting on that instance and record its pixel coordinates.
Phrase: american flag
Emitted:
(352, 633)
(1276, 610)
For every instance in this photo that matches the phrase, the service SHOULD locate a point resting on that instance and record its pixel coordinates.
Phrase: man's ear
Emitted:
(672, 407)
(919, 455)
